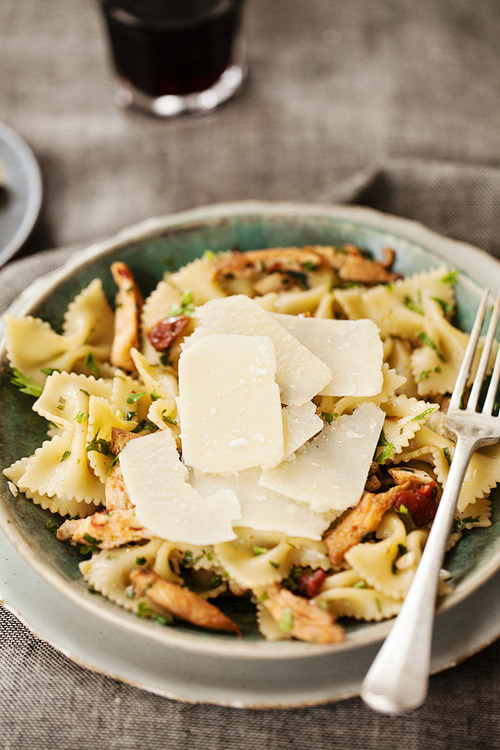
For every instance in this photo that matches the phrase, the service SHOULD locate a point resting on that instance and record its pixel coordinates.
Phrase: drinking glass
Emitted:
(175, 56)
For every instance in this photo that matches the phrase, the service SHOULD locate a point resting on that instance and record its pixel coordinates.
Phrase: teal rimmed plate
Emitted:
(151, 248)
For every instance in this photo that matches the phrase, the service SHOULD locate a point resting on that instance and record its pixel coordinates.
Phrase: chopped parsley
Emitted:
(411, 305)
(167, 419)
(133, 398)
(140, 561)
(25, 384)
(387, 449)
(286, 623)
(459, 524)
(64, 456)
(446, 307)
(52, 526)
(426, 340)
(80, 417)
(259, 550)
(449, 278)
(100, 445)
(423, 414)
(185, 307)
(328, 416)
(447, 455)
(90, 363)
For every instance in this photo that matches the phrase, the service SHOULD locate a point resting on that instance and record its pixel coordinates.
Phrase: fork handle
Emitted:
(398, 678)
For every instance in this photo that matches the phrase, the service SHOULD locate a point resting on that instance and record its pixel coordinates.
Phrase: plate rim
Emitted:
(408, 229)
(34, 201)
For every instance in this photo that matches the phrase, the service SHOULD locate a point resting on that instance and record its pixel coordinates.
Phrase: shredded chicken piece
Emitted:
(128, 305)
(300, 617)
(115, 492)
(365, 271)
(256, 263)
(105, 530)
(415, 477)
(120, 438)
(181, 602)
(362, 519)
(278, 268)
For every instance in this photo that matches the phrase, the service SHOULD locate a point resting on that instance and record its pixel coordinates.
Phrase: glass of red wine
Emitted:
(176, 56)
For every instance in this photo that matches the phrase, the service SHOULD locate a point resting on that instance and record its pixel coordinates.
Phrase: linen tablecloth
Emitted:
(391, 104)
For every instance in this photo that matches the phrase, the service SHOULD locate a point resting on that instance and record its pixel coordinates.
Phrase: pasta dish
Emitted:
(265, 427)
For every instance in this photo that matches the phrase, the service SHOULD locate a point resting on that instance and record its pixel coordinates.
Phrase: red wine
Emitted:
(173, 47)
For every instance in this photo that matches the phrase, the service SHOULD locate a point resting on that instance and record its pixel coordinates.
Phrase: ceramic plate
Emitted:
(20, 194)
(149, 249)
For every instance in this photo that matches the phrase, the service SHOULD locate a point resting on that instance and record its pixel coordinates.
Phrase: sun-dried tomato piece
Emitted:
(166, 330)
(308, 584)
(421, 503)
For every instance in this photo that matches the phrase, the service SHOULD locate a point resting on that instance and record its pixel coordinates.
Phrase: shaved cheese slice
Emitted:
(330, 472)
(165, 503)
(300, 423)
(299, 374)
(352, 349)
(229, 404)
(263, 509)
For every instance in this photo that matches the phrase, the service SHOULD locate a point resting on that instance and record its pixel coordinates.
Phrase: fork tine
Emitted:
(463, 374)
(489, 403)
(485, 358)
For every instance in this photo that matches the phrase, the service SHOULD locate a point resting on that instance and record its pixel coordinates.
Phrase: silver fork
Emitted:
(398, 678)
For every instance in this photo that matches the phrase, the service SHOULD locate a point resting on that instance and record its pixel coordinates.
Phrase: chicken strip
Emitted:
(128, 306)
(105, 530)
(361, 520)
(115, 492)
(181, 602)
(300, 618)
(368, 513)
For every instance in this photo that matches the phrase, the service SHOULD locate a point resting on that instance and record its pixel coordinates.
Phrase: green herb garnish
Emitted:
(90, 363)
(25, 384)
(286, 623)
(133, 398)
(426, 340)
(411, 305)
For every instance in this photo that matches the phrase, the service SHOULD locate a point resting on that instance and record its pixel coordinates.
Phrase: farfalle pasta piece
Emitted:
(256, 558)
(129, 397)
(436, 363)
(293, 302)
(158, 305)
(397, 353)
(65, 397)
(376, 563)
(404, 417)
(34, 347)
(347, 404)
(109, 572)
(476, 514)
(402, 308)
(198, 278)
(60, 468)
(159, 381)
(61, 505)
(90, 318)
(101, 421)
(347, 595)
